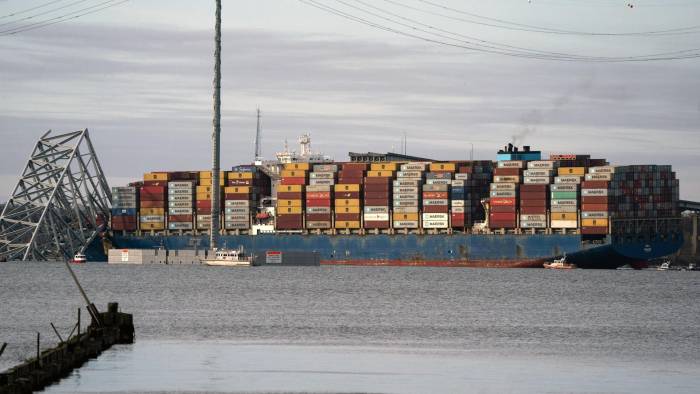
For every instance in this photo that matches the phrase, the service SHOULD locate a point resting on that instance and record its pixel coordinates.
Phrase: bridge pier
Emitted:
(694, 241)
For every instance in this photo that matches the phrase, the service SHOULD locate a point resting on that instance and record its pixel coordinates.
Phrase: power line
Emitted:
(539, 29)
(63, 18)
(43, 13)
(30, 9)
(675, 55)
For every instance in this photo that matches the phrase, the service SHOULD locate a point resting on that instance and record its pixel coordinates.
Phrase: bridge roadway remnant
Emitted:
(114, 328)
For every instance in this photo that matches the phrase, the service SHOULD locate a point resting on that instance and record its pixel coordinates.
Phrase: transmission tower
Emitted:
(60, 203)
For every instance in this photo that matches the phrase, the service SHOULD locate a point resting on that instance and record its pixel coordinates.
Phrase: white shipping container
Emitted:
(458, 183)
(602, 170)
(564, 209)
(379, 217)
(435, 224)
(511, 164)
(180, 226)
(457, 203)
(568, 179)
(405, 203)
(413, 167)
(152, 219)
(181, 185)
(236, 225)
(438, 182)
(406, 196)
(462, 177)
(594, 215)
(564, 224)
(405, 224)
(458, 209)
(318, 182)
(325, 168)
(407, 182)
(537, 180)
(369, 210)
(180, 211)
(236, 203)
(322, 175)
(405, 209)
(506, 179)
(542, 164)
(533, 224)
(436, 216)
(538, 173)
(598, 177)
(180, 204)
(173, 192)
(318, 224)
(236, 210)
(567, 203)
(433, 201)
(564, 188)
(123, 190)
(435, 188)
(409, 174)
(503, 186)
(237, 218)
(406, 190)
(594, 192)
(180, 197)
(318, 209)
(533, 218)
(503, 193)
(318, 188)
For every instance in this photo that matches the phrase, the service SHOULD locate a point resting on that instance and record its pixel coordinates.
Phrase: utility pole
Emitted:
(216, 135)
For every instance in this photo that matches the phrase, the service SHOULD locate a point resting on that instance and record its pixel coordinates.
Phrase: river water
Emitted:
(368, 329)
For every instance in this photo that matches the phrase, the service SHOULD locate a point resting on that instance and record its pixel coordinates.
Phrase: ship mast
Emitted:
(216, 134)
(258, 155)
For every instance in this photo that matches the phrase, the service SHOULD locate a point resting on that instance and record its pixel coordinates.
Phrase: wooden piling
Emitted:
(110, 328)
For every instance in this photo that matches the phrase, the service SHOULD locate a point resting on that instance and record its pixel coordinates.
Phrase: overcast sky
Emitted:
(139, 77)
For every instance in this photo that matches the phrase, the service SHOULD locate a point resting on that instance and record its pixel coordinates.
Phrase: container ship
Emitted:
(518, 211)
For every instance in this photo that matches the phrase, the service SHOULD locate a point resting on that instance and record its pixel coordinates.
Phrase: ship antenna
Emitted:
(216, 135)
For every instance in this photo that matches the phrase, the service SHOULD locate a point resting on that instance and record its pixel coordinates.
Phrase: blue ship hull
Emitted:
(463, 250)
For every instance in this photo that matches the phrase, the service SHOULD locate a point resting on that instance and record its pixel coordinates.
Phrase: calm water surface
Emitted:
(350, 329)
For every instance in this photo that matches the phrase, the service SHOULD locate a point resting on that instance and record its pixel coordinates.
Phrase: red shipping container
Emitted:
(318, 203)
(347, 195)
(533, 195)
(290, 195)
(370, 224)
(155, 183)
(124, 226)
(203, 211)
(502, 201)
(377, 202)
(534, 188)
(349, 181)
(204, 204)
(152, 204)
(502, 216)
(503, 209)
(347, 217)
(436, 209)
(355, 166)
(435, 195)
(506, 171)
(533, 203)
(457, 216)
(380, 180)
(594, 207)
(351, 174)
(594, 199)
(238, 197)
(501, 224)
(180, 218)
(377, 188)
(594, 230)
(376, 195)
(317, 196)
(466, 170)
(457, 223)
(293, 181)
(318, 217)
(533, 210)
(594, 185)
(153, 190)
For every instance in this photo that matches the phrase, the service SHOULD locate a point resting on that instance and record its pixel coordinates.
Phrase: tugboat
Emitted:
(79, 259)
(560, 264)
(228, 258)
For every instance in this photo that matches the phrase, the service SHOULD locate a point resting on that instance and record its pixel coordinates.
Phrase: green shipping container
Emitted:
(564, 195)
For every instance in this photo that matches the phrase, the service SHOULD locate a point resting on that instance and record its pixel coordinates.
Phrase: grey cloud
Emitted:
(146, 96)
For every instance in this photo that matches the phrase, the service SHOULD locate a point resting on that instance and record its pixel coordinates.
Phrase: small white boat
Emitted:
(228, 258)
(665, 266)
(79, 259)
(560, 264)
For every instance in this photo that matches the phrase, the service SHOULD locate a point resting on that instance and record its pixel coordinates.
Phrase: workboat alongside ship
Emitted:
(394, 210)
